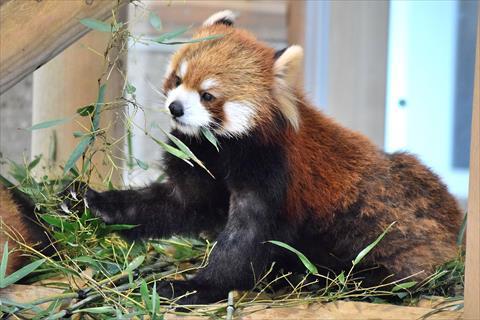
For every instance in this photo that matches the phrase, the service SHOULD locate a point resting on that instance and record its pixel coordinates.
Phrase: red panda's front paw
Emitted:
(99, 206)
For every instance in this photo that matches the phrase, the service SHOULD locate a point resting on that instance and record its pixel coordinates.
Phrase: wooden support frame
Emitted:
(33, 32)
(472, 261)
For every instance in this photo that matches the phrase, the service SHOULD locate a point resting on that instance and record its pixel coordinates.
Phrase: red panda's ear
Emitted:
(287, 70)
(225, 17)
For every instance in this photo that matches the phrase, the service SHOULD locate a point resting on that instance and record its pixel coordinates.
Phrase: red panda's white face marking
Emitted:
(233, 84)
(194, 114)
(239, 118)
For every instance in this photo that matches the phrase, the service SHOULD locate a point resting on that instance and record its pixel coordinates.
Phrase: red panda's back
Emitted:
(326, 163)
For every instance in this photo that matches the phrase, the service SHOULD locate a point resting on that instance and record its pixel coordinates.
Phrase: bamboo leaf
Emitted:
(96, 25)
(98, 107)
(77, 153)
(48, 124)
(309, 265)
(211, 37)
(170, 35)
(5, 182)
(20, 274)
(130, 88)
(155, 20)
(174, 151)
(34, 163)
(404, 286)
(372, 245)
(183, 147)
(135, 263)
(145, 295)
(3, 263)
(86, 111)
(141, 164)
(210, 137)
(96, 310)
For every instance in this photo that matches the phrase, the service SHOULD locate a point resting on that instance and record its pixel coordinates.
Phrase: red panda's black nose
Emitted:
(176, 108)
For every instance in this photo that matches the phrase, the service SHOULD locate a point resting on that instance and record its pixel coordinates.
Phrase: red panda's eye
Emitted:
(178, 81)
(207, 97)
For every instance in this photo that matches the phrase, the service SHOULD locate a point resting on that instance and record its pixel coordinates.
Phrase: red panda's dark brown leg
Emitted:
(241, 254)
(159, 210)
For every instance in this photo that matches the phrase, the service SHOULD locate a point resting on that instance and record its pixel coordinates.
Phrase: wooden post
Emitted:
(64, 84)
(33, 32)
(296, 23)
(472, 262)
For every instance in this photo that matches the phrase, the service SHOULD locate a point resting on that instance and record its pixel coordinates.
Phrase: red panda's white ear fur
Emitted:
(226, 17)
(287, 70)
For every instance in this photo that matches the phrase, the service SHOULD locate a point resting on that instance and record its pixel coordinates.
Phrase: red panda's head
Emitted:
(231, 84)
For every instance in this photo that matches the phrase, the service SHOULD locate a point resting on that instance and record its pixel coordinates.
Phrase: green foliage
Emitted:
(101, 26)
(5, 280)
(155, 21)
(307, 263)
(372, 245)
(210, 137)
(49, 123)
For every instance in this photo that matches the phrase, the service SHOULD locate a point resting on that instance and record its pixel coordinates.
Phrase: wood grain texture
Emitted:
(472, 263)
(340, 310)
(33, 32)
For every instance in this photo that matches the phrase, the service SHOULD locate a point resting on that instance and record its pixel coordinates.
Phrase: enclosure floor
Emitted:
(331, 311)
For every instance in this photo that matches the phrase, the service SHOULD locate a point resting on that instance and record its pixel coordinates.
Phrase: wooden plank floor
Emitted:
(331, 311)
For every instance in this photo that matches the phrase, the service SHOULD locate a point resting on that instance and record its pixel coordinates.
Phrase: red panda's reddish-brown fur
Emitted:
(284, 171)
(17, 226)
(331, 168)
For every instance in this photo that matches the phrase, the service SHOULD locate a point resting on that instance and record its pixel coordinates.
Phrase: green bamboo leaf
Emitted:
(341, 277)
(155, 305)
(183, 147)
(34, 163)
(58, 222)
(20, 274)
(96, 310)
(211, 37)
(5, 182)
(372, 245)
(170, 35)
(145, 295)
(119, 227)
(141, 164)
(3, 264)
(174, 151)
(309, 265)
(130, 88)
(155, 20)
(404, 286)
(135, 263)
(98, 107)
(48, 124)
(96, 25)
(77, 153)
(86, 111)
(210, 137)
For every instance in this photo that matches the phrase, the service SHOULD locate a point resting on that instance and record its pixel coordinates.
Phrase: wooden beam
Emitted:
(472, 262)
(33, 32)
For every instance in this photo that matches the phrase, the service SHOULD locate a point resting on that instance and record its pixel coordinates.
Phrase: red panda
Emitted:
(18, 223)
(284, 172)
